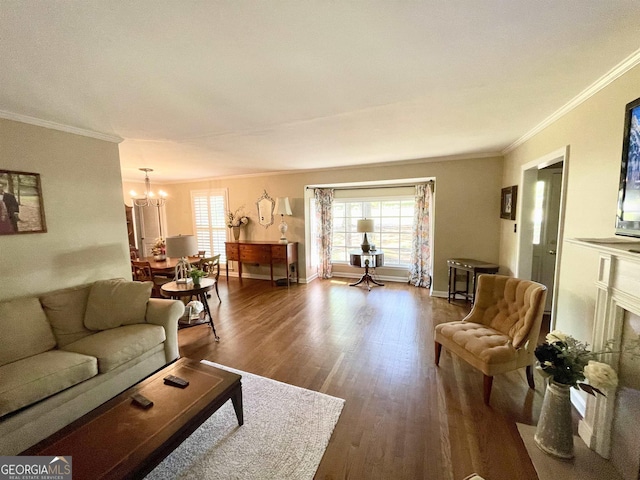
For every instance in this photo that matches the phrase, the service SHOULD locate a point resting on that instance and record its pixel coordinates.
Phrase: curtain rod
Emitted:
(371, 187)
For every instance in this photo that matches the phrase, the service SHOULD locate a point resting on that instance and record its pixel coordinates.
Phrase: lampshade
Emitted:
(282, 206)
(181, 246)
(365, 225)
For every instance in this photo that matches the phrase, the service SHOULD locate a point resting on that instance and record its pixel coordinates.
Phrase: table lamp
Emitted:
(283, 208)
(365, 225)
(182, 246)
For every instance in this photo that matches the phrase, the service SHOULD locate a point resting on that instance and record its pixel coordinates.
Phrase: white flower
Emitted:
(237, 218)
(159, 242)
(556, 336)
(600, 375)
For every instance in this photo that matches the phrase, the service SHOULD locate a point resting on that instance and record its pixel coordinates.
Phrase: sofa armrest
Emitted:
(166, 313)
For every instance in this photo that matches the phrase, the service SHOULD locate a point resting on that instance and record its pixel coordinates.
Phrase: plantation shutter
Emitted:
(209, 208)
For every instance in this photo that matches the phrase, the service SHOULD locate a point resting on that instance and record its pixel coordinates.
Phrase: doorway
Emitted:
(541, 226)
(149, 221)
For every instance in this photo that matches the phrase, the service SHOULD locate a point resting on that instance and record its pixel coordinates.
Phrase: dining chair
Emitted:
(211, 266)
(133, 253)
(142, 273)
(501, 332)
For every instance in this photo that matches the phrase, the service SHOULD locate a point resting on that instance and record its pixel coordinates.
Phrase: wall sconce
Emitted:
(283, 208)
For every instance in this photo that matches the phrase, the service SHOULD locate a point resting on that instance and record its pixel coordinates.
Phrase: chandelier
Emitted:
(148, 199)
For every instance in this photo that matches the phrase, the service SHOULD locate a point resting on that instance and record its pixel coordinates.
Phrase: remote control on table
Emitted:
(175, 381)
(141, 401)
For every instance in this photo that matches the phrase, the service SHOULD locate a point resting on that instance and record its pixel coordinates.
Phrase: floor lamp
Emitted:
(182, 246)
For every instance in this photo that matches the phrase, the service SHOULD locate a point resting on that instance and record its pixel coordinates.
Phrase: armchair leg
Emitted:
(488, 383)
(530, 381)
(438, 350)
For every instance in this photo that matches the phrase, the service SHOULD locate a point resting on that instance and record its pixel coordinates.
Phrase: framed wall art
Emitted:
(21, 205)
(508, 202)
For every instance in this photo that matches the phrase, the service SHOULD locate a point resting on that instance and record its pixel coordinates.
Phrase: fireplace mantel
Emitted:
(617, 289)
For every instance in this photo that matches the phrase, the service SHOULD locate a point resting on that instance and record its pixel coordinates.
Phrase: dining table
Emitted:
(168, 265)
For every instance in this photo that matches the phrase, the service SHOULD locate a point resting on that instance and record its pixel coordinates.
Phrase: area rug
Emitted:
(285, 433)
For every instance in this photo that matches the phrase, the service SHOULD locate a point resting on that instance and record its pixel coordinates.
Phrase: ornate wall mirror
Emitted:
(265, 209)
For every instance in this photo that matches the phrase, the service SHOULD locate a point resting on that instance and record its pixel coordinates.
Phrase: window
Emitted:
(393, 223)
(209, 221)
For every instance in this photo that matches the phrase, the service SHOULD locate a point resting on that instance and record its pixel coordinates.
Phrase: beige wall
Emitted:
(82, 191)
(466, 208)
(593, 132)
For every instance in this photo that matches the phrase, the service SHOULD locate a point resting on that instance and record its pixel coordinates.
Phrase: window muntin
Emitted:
(393, 224)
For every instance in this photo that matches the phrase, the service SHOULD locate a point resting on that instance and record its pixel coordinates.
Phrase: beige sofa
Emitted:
(64, 353)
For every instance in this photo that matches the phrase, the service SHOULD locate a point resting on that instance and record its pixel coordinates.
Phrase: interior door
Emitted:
(148, 228)
(545, 243)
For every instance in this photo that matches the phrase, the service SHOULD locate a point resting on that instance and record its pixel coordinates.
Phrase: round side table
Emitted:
(180, 290)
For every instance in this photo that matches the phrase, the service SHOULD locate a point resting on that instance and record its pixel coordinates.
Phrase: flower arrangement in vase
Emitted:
(567, 362)
(236, 220)
(159, 249)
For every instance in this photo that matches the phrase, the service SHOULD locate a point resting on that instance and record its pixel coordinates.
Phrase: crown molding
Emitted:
(616, 72)
(58, 126)
(386, 163)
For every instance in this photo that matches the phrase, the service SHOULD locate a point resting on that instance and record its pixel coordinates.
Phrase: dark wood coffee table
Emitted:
(120, 440)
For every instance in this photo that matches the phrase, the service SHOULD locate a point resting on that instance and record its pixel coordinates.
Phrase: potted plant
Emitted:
(196, 274)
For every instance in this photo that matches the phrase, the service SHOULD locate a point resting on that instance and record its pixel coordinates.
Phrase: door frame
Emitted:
(524, 246)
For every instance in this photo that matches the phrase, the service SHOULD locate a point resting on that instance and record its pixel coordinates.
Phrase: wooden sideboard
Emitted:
(263, 253)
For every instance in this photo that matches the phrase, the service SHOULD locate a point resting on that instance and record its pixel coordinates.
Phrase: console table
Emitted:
(263, 253)
(472, 267)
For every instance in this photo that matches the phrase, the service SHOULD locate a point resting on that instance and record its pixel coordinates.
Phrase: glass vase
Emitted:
(236, 233)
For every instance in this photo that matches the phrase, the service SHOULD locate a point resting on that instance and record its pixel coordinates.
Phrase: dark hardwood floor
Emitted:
(404, 418)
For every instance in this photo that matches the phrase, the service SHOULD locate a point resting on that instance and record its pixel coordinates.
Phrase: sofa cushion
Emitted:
(117, 346)
(24, 330)
(116, 302)
(65, 310)
(37, 377)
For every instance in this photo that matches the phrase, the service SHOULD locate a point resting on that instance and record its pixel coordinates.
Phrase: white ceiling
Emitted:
(213, 88)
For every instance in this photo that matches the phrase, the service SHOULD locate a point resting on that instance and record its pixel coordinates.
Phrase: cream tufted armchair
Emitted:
(501, 332)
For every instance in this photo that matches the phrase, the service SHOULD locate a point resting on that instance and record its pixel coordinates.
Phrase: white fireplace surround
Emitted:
(618, 289)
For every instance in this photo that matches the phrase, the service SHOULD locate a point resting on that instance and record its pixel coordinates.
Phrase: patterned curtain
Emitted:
(420, 272)
(324, 216)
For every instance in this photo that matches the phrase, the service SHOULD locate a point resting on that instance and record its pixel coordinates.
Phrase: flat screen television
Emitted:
(628, 214)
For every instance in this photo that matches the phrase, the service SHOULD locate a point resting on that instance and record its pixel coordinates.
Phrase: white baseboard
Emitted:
(439, 294)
